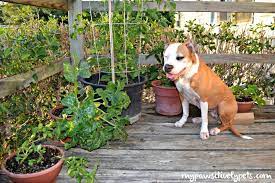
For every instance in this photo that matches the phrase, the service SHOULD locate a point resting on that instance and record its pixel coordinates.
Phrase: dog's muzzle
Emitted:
(168, 68)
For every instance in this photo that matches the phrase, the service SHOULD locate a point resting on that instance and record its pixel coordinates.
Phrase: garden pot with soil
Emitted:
(43, 172)
(167, 99)
(134, 90)
(245, 104)
(247, 96)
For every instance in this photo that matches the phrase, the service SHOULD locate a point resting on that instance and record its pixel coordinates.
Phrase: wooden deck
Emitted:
(158, 152)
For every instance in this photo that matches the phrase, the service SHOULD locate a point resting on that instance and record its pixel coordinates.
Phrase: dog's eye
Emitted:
(179, 57)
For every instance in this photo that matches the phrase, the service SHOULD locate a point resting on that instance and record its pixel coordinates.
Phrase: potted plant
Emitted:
(33, 162)
(246, 96)
(94, 119)
(130, 28)
(125, 39)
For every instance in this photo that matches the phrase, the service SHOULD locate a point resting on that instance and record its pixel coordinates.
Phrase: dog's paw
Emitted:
(215, 131)
(180, 123)
(204, 134)
(196, 120)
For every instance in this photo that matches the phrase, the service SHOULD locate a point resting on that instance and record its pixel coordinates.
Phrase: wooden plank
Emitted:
(199, 6)
(76, 45)
(193, 129)
(239, 58)
(224, 58)
(12, 84)
(163, 176)
(181, 6)
(262, 114)
(193, 142)
(171, 160)
(53, 4)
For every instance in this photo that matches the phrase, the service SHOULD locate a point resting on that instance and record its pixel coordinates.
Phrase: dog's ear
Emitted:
(191, 46)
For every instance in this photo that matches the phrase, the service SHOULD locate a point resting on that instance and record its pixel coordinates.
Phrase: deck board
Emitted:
(149, 176)
(156, 151)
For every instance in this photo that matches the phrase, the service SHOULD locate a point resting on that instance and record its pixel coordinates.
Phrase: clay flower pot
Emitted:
(167, 99)
(245, 106)
(45, 176)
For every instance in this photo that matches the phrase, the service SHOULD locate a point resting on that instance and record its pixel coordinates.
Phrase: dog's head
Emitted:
(178, 57)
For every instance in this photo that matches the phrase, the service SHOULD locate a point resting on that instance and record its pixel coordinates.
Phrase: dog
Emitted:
(199, 85)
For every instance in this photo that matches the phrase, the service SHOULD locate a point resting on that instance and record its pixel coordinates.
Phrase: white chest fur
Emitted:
(184, 88)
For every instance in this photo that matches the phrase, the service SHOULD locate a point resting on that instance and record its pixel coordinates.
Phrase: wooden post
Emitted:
(76, 46)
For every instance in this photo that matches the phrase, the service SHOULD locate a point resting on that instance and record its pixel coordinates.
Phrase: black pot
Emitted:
(134, 91)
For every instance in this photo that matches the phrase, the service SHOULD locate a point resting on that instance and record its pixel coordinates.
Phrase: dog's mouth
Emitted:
(174, 77)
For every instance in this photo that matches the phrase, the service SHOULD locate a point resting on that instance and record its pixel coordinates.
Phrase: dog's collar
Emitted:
(175, 77)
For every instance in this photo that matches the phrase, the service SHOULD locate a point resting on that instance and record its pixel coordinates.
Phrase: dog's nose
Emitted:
(168, 67)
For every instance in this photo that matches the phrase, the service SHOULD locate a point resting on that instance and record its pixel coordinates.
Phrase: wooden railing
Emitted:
(181, 6)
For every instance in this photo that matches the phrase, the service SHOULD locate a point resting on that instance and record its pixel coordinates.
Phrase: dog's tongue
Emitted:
(170, 76)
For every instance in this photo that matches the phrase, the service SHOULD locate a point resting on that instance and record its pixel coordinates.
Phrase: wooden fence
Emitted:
(74, 7)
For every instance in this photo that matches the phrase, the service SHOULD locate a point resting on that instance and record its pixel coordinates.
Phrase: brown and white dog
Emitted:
(200, 86)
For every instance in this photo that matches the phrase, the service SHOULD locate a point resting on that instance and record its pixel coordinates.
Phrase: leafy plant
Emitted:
(131, 32)
(77, 168)
(247, 93)
(95, 119)
(28, 42)
(25, 109)
(39, 133)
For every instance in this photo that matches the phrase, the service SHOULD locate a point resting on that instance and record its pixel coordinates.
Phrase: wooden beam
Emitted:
(197, 6)
(53, 4)
(76, 45)
(182, 6)
(224, 58)
(11, 84)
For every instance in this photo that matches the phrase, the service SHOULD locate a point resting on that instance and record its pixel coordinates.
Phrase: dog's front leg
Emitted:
(185, 112)
(204, 134)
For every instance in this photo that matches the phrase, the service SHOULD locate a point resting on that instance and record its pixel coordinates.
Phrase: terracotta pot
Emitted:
(167, 99)
(45, 176)
(245, 106)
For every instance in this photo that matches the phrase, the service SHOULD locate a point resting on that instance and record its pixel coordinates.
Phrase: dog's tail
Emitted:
(238, 134)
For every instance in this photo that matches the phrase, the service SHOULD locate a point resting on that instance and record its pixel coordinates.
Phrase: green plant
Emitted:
(38, 133)
(247, 93)
(96, 119)
(129, 38)
(76, 168)
(28, 41)
(26, 108)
